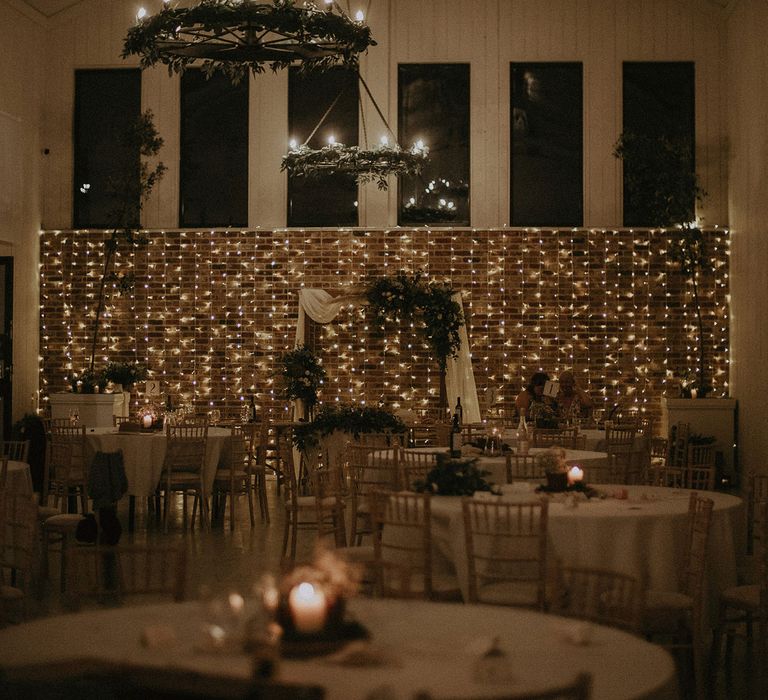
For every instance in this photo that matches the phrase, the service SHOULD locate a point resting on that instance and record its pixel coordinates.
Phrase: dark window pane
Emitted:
(433, 106)
(214, 151)
(328, 200)
(659, 103)
(547, 144)
(107, 102)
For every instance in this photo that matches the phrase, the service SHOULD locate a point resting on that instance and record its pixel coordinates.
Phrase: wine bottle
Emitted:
(459, 411)
(523, 439)
(169, 403)
(455, 442)
(252, 410)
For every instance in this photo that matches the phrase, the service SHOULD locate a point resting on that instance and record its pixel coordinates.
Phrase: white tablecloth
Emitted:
(643, 536)
(19, 478)
(434, 647)
(143, 455)
(496, 464)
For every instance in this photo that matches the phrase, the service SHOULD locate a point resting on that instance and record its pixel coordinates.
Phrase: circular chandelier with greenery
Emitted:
(366, 165)
(234, 36)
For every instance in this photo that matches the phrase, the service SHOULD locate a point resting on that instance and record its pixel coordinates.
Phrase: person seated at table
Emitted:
(539, 410)
(573, 403)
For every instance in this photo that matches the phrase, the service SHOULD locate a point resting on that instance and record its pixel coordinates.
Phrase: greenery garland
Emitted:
(409, 296)
(365, 165)
(234, 36)
(349, 418)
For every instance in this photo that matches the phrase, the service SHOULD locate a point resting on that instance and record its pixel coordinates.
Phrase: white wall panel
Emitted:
(747, 91)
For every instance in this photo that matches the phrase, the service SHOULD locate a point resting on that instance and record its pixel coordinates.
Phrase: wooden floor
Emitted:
(221, 561)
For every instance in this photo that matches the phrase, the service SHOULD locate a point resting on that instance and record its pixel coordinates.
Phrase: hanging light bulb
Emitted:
(293, 144)
(141, 14)
(359, 16)
(384, 141)
(331, 140)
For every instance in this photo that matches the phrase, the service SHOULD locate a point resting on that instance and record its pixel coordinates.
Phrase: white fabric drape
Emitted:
(321, 307)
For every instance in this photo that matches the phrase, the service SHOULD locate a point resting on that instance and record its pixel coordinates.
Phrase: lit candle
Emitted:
(575, 474)
(694, 393)
(308, 608)
(146, 421)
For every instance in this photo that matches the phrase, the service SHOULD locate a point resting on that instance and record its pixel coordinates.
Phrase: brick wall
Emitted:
(212, 310)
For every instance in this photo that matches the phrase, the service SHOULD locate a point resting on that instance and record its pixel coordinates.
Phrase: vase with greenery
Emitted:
(454, 477)
(301, 376)
(135, 178)
(660, 181)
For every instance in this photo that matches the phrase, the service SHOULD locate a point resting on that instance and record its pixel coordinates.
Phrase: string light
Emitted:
(608, 303)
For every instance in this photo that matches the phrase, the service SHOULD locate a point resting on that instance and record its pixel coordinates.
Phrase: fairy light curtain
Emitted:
(323, 308)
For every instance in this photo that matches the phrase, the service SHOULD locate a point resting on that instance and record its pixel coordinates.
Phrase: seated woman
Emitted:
(539, 410)
(573, 403)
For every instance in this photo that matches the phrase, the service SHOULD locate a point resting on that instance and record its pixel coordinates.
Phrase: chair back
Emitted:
(18, 535)
(381, 440)
(16, 450)
(239, 443)
(604, 597)
(414, 465)
(700, 467)
(524, 468)
(506, 551)
(757, 491)
(65, 460)
(402, 543)
(185, 448)
(550, 437)
(371, 469)
(678, 444)
(430, 434)
(113, 574)
(699, 523)
(117, 421)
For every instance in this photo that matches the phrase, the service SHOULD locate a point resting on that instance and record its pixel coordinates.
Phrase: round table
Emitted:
(497, 465)
(143, 455)
(643, 535)
(19, 478)
(424, 646)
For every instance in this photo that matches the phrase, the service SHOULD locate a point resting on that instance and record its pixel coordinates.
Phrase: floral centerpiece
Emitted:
(309, 602)
(455, 477)
(301, 375)
(89, 381)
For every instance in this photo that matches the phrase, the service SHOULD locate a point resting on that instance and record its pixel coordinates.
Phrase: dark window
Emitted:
(433, 106)
(659, 109)
(546, 168)
(107, 103)
(214, 151)
(329, 200)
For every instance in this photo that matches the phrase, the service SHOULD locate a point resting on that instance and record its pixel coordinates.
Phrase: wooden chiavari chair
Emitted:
(506, 552)
(402, 541)
(523, 468)
(184, 468)
(414, 465)
(700, 467)
(551, 437)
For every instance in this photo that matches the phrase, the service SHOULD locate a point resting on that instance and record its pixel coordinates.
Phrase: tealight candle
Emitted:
(308, 608)
(575, 474)
(236, 603)
(146, 421)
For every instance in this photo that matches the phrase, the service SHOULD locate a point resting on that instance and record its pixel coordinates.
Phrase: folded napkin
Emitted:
(362, 653)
